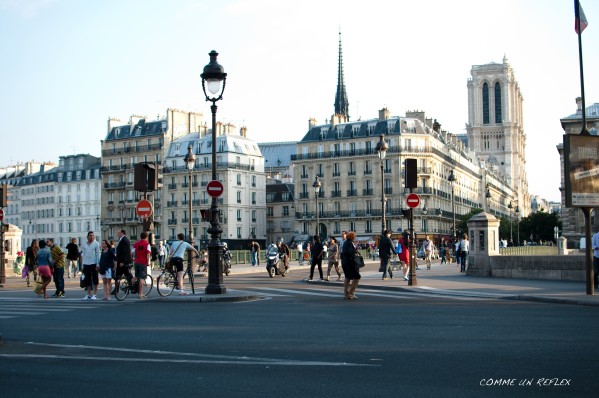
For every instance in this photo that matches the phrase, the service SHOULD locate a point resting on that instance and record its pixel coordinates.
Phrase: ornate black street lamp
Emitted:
(214, 78)
(424, 220)
(190, 162)
(452, 179)
(381, 150)
(488, 197)
(316, 187)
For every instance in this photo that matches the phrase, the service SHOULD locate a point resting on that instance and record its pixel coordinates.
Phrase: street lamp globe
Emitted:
(316, 186)
(214, 74)
(189, 159)
(382, 147)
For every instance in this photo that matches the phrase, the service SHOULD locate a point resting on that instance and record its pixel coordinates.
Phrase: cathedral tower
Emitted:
(495, 124)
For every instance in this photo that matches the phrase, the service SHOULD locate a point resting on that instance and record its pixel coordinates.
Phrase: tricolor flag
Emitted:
(580, 18)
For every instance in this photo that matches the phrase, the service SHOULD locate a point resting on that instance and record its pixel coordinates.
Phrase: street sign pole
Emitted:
(412, 281)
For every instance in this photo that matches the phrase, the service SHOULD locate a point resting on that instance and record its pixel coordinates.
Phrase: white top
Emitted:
(90, 253)
(178, 248)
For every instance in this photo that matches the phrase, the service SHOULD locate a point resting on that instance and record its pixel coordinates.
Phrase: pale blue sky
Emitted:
(68, 65)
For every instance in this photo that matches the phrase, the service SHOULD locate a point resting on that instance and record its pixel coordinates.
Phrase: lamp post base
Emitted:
(215, 272)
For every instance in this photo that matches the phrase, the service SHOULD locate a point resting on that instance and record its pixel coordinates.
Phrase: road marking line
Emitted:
(210, 358)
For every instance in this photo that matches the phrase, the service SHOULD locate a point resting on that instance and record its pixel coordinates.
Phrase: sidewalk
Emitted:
(441, 279)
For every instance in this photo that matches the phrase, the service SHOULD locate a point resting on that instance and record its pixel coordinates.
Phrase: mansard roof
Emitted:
(277, 154)
(143, 128)
(231, 143)
(361, 129)
(592, 112)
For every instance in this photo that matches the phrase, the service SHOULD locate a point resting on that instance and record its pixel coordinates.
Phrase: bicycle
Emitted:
(125, 285)
(167, 280)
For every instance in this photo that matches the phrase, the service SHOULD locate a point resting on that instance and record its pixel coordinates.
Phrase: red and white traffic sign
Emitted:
(143, 208)
(215, 188)
(1, 214)
(413, 200)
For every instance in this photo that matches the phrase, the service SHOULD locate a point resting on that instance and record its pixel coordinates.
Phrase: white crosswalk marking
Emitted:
(337, 292)
(14, 308)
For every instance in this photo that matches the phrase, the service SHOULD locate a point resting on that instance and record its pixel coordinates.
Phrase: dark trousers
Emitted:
(59, 280)
(386, 267)
(316, 261)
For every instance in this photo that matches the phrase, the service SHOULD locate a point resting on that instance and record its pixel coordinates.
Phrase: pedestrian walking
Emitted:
(300, 258)
(464, 248)
(72, 258)
(255, 250)
(404, 257)
(161, 254)
(444, 247)
(333, 258)
(350, 268)
(284, 254)
(58, 258)
(385, 253)
(427, 249)
(107, 268)
(44, 267)
(31, 261)
(90, 259)
(317, 254)
(123, 255)
(141, 262)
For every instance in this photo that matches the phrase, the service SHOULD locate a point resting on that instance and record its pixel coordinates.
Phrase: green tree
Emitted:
(539, 226)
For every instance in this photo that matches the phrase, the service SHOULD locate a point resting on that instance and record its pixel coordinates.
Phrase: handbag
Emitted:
(359, 260)
(24, 272)
(82, 281)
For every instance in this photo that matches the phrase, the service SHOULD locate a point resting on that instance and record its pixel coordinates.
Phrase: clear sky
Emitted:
(69, 65)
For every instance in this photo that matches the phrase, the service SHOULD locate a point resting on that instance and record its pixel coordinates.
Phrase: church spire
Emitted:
(341, 103)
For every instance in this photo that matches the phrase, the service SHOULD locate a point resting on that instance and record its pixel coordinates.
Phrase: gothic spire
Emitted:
(341, 103)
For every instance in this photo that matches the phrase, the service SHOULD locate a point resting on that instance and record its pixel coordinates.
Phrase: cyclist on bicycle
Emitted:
(177, 252)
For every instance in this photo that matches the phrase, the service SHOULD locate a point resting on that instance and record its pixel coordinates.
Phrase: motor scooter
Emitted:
(275, 265)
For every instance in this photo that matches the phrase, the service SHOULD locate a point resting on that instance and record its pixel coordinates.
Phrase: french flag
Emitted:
(580, 18)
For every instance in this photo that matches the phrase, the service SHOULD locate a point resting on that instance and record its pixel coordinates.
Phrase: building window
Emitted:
(253, 215)
(253, 198)
(238, 214)
(238, 196)
(269, 211)
(485, 103)
(498, 117)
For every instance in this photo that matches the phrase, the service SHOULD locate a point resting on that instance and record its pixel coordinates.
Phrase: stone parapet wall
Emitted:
(568, 268)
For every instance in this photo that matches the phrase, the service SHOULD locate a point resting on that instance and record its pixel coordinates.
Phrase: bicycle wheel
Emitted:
(148, 286)
(121, 290)
(165, 284)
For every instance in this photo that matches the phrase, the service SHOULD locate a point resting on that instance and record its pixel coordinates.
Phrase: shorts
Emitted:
(108, 274)
(44, 271)
(177, 262)
(91, 275)
(141, 271)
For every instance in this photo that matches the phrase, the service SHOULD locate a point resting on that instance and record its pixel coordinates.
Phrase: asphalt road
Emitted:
(300, 340)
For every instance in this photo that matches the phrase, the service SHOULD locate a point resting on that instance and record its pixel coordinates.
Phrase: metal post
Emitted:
(215, 247)
(383, 221)
(412, 280)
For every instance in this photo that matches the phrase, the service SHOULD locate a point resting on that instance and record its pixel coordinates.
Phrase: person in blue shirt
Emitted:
(595, 246)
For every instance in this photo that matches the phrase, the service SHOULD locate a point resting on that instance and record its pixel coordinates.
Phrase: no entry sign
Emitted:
(144, 208)
(413, 200)
(215, 188)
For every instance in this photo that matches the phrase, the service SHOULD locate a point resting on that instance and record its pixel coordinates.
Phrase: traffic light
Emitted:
(205, 214)
(140, 177)
(405, 213)
(411, 179)
(147, 177)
